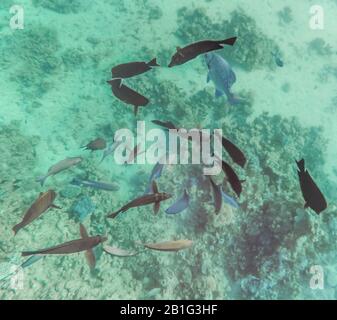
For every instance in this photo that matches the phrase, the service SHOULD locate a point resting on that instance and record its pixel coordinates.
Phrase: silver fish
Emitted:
(58, 167)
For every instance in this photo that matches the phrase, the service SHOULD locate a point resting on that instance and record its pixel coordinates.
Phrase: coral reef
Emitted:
(60, 6)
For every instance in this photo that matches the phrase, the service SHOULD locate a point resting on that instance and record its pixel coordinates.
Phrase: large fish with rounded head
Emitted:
(193, 50)
(131, 69)
(59, 167)
(312, 195)
(40, 205)
(222, 75)
(127, 95)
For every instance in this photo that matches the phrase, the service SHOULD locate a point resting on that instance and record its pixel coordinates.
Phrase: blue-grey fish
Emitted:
(155, 174)
(229, 199)
(110, 149)
(277, 59)
(222, 75)
(180, 205)
(31, 260)
(95, 184)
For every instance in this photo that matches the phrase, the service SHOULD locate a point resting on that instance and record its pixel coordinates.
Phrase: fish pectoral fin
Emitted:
(83, 231)
(91, 259)
(154, 187)
(179, 52)
(208, 77)
(218, 93)
(156, 207)
(55, 206)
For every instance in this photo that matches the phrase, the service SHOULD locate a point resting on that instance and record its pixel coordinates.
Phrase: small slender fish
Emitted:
(95, 184)
(193, 50)
(31, 260)
(41, 205)
(118, 252)
(234, 152)
(229, 200)
(312, 195)
(216, 196)
(97, 144)
(111, 149)
(127, 95)
(155, 175)
(155, 197)
(232, 178)
(59, 167)
(180, 205)
(131, 69)
(277, 59)
(70, 247)
(172, 246)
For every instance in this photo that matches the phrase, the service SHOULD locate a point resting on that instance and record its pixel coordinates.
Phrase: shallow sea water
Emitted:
(55, 99)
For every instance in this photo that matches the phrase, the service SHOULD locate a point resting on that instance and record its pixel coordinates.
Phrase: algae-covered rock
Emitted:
(82, 208)
(70, 192)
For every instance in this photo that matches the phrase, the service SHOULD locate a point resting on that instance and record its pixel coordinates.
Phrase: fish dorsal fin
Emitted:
(154, 187)
(83, 231)
(156, 207)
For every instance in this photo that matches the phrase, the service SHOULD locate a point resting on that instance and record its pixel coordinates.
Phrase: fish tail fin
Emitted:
(233, 100)
(136, 110)
(229, 42)
(153, 63)
(114, 214)
(156, 207)
(301, 165)
(16, 228)
(41, 179)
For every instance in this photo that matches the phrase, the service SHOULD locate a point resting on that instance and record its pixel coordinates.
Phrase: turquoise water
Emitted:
(55, 99)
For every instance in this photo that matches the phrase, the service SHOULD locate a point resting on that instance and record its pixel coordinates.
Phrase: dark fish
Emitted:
(155, 197)
(89, 254)
(234, 152)
(165, 124)
(155, 174)
(312, 195)
(95, 184)
(190, 52)
(60, 166)
(216, 195)
(169, 245)
(277, 59)
(42, 204)
(128, 70)
(232, 178)
(127, 95)
(180, 205)
(70, 247)
(97, 144)
(134, 153)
